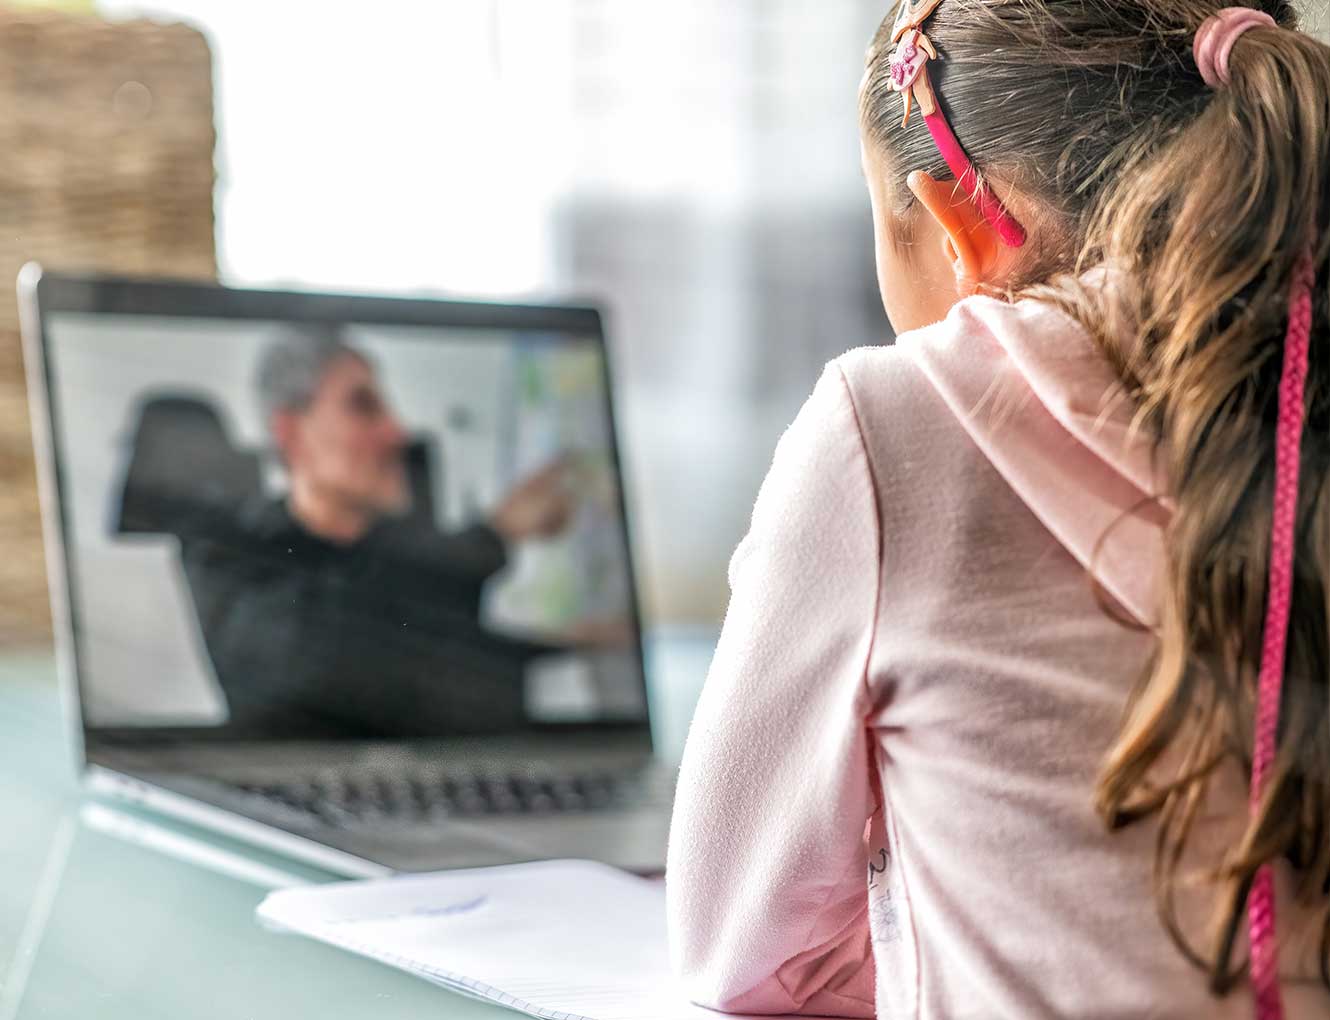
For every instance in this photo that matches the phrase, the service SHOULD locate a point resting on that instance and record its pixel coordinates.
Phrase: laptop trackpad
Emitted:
(448, 845)
(633, 840)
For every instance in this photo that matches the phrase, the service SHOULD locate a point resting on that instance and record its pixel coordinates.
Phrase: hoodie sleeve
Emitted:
(767, 867)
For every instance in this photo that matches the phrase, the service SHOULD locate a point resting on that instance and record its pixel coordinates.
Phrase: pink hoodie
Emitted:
(885, 805)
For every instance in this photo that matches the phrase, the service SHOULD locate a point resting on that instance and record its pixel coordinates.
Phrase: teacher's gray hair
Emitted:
(294, 363)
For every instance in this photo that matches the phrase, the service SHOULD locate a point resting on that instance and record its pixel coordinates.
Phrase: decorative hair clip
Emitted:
(909, 76)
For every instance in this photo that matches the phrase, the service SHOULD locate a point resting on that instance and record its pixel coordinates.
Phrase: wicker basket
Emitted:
(107, 136)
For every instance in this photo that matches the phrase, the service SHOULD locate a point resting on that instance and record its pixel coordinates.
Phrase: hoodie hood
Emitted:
(1034, 392)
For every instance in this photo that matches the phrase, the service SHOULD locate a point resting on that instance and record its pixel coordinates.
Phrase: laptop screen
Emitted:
(284, 523)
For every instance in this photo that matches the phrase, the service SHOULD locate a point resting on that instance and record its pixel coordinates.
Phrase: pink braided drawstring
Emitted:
(1288, 443)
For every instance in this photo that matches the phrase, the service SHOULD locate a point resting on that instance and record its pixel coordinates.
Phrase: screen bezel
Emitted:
(46, 294)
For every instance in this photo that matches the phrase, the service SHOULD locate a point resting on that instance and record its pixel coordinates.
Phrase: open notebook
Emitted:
(563, 940)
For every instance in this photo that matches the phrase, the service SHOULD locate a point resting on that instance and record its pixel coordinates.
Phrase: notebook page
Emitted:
(562, 940)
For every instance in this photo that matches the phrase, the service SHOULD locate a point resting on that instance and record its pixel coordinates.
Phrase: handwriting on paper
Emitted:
(424, 911)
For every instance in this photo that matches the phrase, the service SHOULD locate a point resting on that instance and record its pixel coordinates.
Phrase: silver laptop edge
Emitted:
(48, 494)
(136, 791)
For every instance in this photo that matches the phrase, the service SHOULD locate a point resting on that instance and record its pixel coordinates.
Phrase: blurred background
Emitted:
(693, 169)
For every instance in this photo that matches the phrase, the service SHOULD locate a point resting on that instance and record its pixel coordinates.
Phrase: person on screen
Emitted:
(332, 611)
(343, 450)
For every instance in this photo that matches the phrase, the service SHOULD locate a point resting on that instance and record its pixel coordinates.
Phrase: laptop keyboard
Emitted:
(342, 800)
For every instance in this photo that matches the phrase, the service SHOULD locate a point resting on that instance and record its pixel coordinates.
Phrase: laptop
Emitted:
(345, 577)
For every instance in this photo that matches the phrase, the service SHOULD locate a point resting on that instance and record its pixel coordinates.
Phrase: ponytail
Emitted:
(1215, 232)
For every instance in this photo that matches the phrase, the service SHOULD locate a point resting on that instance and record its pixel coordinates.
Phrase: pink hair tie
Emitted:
(1216, 38)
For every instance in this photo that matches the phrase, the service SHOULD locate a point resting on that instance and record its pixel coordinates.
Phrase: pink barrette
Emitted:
(1216, 38)
(909, 76)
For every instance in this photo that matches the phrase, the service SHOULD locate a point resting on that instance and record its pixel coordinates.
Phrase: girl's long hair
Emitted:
(1199, 201)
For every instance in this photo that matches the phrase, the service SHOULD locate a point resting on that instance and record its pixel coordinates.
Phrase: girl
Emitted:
(1009, 649)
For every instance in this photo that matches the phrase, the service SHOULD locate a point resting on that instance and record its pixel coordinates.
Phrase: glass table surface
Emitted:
(108, 911)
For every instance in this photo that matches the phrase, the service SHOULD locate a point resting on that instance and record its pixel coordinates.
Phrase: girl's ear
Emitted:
(972, 245)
